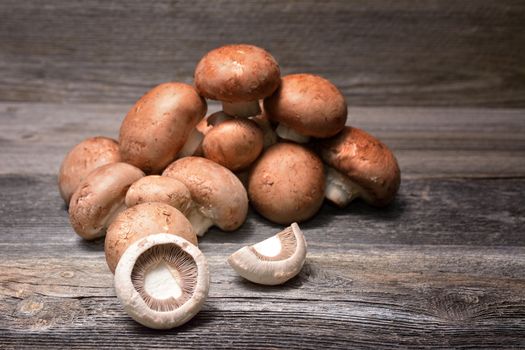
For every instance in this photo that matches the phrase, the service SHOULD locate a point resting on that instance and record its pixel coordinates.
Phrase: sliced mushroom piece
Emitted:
(238, 76)
(306, 105)
(140, 221)
(82, 159)
(158, 125)
(234, 144)
(219, 195)
(100, 197)
(274, 260)
(287, 183)
(359, 165)
(162, 281)
(156, 188)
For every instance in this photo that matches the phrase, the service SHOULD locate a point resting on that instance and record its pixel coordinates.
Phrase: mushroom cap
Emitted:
(134, 304)
(82, 159)
(207, 123)
(216, 191)
(308, 104)
(158, 125)
(255, 267)
(140, 221)
(287, 183)
(234, 144)
(366, 161)
(156, 188)
(99, 196)
(237, 73)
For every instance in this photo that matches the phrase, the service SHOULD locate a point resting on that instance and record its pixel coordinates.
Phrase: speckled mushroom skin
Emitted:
(99, 196)
(308, 104)
(155, 188)
(214, 189)
(234, 144)
(140, 221)
(237, 73)
(85, 157)
(158, 125)
(287, 183)
(366, 161)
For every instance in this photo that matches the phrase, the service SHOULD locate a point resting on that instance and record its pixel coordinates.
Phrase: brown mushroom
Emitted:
(100, 197)
(234, 144)
(306, 105)
(82, 159)
(140, 221)
(158, 125)
(238, 76)
(287, 183)
(155, 188)
(359, 165)
(193, 147)
(220, 198)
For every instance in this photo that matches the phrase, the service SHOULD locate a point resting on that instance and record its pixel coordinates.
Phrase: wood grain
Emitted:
(442, 267)
(402, 53)
(428, 142)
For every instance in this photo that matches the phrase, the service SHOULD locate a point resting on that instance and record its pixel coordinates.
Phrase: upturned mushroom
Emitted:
(238, 76)
(220, 198)
(274, 260)
(158, 125)
(140, 221)
(162, 281)
(234, 144)
(156, 188)
(359, 165)
(100, 197)
(286, 184)
(82, 159)
(306, 105)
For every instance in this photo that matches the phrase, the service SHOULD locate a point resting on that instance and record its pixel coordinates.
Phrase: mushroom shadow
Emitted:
(96, 245)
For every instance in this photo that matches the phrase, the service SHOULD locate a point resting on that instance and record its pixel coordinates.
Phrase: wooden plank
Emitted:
(439, 53)
(428, 142)
(33, 219)
(411, 296)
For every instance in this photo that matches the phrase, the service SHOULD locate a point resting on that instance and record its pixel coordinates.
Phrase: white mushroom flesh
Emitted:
(192, 145)
(339, 188)
(274, 260)
(287, 133)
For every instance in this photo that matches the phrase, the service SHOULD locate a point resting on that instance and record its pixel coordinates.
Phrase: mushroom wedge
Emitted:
(274, 260)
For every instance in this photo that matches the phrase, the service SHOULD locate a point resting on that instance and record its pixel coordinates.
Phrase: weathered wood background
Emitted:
(441, 82)
(396, 52)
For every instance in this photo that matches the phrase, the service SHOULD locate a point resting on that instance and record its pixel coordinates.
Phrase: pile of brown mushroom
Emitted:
(279, 143)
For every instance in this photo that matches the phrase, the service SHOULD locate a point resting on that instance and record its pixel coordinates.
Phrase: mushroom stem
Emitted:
(286, 133)
(339, 189)
(270, 137)
(241, 109)
(193, 144)
(200, 222)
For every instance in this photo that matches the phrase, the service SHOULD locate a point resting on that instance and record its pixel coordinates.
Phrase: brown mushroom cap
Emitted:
(158, 125)
(82, 159)
(217, 192)
(286, 183)
(234, 144)
(99, 197)
(366, 161)
(140, 221)
(308, 104)
(214, 119)
(237, 73)
(155, 188)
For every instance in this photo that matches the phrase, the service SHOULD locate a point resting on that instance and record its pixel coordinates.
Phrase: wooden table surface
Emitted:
(444, 266)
